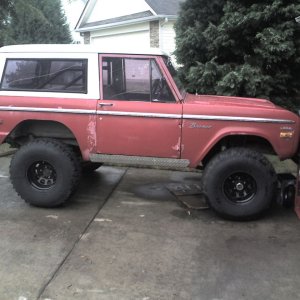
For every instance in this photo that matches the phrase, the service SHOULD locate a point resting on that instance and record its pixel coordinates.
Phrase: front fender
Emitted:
(199, 140)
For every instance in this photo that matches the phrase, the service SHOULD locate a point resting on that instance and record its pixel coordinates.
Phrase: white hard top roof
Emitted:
(77, 48)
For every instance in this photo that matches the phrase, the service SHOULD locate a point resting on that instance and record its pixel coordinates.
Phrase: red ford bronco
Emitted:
(74, 107)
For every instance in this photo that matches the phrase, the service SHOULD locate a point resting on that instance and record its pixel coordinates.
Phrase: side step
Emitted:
(169, 163)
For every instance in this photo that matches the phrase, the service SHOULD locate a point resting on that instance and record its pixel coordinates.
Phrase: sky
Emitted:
(73, 10)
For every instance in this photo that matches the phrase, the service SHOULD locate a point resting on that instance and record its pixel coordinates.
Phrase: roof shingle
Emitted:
(165, 7)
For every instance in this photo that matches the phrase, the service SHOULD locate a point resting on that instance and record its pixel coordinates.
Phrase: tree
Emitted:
(243, 48)
(39, 21)
(5, 6)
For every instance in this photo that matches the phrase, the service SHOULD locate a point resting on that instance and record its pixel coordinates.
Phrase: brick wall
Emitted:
(86, 37)
(154, 34)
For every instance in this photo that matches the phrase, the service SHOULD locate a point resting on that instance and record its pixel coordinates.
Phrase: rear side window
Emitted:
(51, 75)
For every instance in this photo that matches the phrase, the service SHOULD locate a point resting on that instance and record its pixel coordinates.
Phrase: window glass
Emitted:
(105, 73)
(160, 90)
(12, 78)
(126, 79)
(45, 75)
(137, 76)
(174, 74)
(134, 79)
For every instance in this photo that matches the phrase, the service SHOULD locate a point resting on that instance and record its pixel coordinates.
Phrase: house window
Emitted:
(134, 79)
(41, 75)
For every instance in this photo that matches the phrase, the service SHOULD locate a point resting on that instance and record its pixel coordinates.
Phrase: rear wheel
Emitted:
(239, 183)
(45, 172)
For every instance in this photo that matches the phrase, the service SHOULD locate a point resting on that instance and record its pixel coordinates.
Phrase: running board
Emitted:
(169, 163)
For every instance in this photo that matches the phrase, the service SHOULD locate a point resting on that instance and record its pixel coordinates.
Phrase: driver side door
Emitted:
(138, 113)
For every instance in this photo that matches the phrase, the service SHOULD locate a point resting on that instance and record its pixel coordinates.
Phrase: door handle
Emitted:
(105, 104)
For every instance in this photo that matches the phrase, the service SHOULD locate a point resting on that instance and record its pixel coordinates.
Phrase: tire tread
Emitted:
(231, 155)
(60, 147)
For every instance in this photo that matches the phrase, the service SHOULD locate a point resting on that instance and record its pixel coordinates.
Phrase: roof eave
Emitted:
(128, 22)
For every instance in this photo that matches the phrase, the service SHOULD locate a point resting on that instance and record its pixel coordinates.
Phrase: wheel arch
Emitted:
(249, 141)
(31, 129)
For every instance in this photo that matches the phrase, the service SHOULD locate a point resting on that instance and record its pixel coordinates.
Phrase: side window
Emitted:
(160, 90)
(53, 75)
(126, 79)
(137, 77)
(134, 79)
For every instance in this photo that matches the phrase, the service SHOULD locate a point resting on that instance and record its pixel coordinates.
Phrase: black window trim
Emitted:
(83, 60)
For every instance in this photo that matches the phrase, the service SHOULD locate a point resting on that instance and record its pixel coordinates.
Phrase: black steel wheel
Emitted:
(45, 172)
(41, 175)
(240, 187)
(239, 183)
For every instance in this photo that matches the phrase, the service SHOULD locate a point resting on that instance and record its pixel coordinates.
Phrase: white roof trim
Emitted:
(77, 48)
(128, 22)
(90, 5)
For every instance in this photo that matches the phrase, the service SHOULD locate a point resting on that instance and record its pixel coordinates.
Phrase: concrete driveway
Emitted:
(123, 235)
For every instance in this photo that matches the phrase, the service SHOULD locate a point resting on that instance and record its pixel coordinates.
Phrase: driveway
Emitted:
(124, 235)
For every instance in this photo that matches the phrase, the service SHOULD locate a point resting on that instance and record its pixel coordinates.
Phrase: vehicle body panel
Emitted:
(208, 119)
(139, 127)
(78, 115)
(146, 129)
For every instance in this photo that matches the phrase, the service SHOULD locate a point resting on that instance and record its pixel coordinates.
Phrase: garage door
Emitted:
(140, 39)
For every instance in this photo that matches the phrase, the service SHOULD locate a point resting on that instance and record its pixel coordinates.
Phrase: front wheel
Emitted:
(239, 183)
(44, 172)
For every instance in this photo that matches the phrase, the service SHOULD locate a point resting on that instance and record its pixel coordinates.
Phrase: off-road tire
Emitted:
(240, 184)
(44, 172)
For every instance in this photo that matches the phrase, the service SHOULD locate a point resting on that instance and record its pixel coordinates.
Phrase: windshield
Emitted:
(173, 72)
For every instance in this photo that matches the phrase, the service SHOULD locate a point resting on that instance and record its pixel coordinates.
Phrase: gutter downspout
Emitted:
(161, 28)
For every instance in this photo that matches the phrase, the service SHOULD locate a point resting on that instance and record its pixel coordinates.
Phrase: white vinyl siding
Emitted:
(167, 36)
(137, 35)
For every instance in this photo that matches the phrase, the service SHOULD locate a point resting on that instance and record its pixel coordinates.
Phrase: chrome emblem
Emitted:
(200, 126)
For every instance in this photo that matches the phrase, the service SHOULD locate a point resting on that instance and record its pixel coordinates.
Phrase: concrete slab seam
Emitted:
(43, 288)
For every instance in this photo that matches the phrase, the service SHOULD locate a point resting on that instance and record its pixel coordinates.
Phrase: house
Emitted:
(141, 23)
